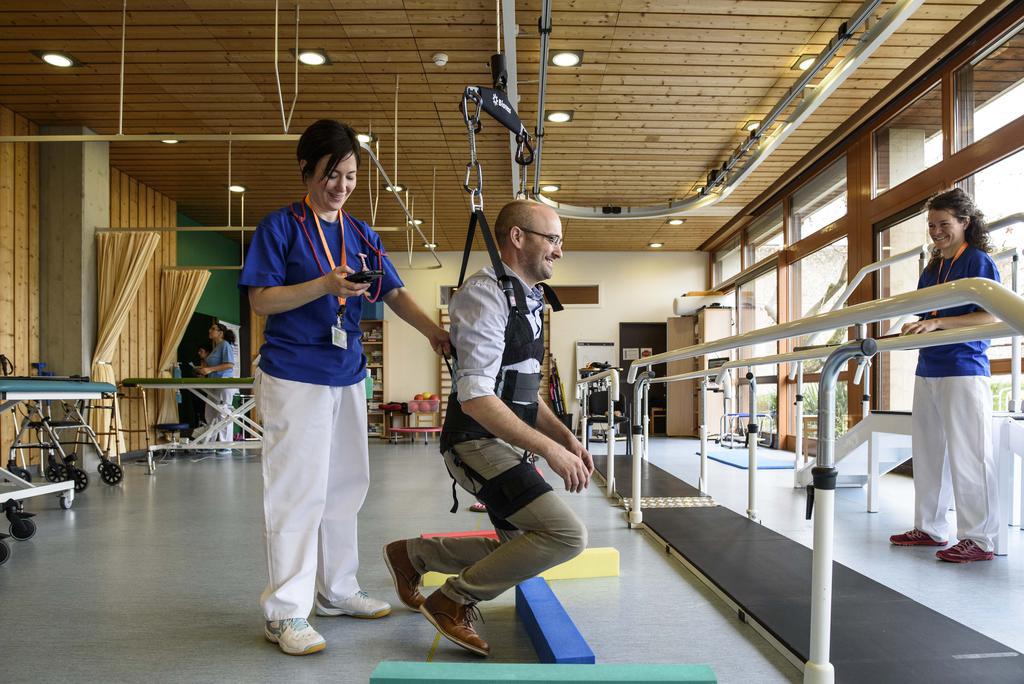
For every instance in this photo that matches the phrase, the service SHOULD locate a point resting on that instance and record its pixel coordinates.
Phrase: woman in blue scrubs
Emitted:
(310, 387)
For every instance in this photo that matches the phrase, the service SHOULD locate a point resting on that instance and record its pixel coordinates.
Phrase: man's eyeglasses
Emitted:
(555, 240)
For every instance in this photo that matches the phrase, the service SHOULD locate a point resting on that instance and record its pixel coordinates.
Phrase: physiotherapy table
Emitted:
(205, 439)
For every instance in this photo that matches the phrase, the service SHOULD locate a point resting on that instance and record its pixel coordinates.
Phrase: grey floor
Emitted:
(158, 579)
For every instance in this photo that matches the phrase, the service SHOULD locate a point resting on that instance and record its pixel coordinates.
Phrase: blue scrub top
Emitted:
(967, 358)
(222, 353)
(298, 342)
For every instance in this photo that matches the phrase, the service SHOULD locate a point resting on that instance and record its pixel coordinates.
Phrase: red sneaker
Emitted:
(915, 537)
(964, 552)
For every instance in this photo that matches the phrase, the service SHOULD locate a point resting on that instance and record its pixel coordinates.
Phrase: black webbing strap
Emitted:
(515, 294)
(551, 297)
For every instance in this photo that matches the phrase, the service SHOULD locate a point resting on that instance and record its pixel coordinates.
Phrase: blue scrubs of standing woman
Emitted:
(220, 363)
(952, 428)
(310, 388)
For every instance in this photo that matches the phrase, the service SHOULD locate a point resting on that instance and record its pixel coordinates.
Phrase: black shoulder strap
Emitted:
(549, 294)
(507, 283)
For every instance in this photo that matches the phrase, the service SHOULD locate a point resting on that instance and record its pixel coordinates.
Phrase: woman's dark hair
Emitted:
(229, 334)
(961, 205)
(326, 138)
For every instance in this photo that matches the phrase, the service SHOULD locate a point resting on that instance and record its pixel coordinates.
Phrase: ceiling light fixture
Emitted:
(558, 116)
(804, 62)
(366, 138)
(676, 222)
(170, 141)
(417, 222)
(567, 58)
(312, 57)
(752, 125)
(236, 188)
(430, 245)
(58, 59)
(551, 187)
(655, 245)
(396, 188)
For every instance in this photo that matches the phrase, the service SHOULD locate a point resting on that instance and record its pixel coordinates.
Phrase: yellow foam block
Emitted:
(595, 562)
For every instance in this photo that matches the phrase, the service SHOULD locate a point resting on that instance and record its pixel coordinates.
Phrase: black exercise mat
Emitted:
(654, 482)
(878, 635)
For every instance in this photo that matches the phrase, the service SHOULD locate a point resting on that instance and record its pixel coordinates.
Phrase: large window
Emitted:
(997, 192)
(818, 281)
(728, 262)
(757, 307)
(894, 372)
(764, 237)
(821, 202)
(910, 142)
(990, 89)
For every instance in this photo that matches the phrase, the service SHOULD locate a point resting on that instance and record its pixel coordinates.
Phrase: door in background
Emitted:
(642, 337)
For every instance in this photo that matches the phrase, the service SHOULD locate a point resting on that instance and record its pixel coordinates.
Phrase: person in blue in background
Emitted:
(309, 387)
(219, 363)
(952, 423)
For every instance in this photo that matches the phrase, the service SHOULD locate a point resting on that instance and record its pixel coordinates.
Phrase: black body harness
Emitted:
(518, 486)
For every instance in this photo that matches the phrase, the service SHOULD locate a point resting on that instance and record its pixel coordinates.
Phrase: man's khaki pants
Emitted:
(548, 533)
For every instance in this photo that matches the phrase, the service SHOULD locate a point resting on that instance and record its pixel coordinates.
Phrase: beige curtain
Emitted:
(121, 262)
(179, 294)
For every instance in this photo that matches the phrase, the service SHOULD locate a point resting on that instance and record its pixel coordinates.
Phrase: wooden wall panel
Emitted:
(19, 254)
(136, 205)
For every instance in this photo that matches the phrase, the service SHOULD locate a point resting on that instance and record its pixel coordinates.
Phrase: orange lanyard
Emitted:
(323, 241)
(939, 280)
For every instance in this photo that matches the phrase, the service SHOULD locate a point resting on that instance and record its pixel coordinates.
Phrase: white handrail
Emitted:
(989, 295)
(609, 378)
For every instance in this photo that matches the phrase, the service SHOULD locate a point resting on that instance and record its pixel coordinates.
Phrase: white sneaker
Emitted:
(357, 605)
(294, 636)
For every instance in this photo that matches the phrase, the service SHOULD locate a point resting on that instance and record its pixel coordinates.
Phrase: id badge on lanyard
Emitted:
(339, 338)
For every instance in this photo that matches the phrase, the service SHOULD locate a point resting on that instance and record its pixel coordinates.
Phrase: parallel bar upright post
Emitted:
(636, 515)
(702, 484)
(610, 440)
(752, 447)
(799, 415)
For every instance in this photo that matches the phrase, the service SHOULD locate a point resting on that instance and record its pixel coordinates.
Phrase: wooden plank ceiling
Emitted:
(661, 97)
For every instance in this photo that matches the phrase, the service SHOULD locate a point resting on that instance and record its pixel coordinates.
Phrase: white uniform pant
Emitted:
(953, 459)
(316, 473)
(223, 399)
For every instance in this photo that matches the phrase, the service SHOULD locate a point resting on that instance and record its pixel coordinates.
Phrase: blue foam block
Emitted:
(555, 638)
(738, 458)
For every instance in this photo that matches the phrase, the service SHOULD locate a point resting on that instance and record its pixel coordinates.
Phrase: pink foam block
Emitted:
(469, 533)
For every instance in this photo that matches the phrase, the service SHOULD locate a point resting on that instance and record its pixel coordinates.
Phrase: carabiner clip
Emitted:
(524, 152)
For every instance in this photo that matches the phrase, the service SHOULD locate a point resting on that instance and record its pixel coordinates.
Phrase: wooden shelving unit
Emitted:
(375, 347)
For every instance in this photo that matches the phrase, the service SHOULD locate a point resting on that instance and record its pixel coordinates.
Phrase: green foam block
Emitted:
(396, 672)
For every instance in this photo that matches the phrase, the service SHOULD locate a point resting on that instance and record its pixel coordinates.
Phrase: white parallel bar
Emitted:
(799, 432)
(989, 295)
(752, 448)
(703, 431)
(818, 669)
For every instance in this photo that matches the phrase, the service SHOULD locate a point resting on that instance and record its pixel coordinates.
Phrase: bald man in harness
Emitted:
(494, 421)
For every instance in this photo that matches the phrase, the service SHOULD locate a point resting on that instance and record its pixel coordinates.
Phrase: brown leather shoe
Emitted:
(407, 580)
(455, 622)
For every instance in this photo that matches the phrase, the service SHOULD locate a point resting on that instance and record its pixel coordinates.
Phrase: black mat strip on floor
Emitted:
(878, 635)
(654, 482)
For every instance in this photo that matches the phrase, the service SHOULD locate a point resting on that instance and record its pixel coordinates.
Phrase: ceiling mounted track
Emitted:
(761, 142)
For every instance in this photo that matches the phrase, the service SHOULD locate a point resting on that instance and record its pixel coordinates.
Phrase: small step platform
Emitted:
(600, 561)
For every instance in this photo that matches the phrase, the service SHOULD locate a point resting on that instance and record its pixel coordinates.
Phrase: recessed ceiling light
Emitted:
(567, 58)
(170, 141)
(366, 138)
(417, 222)
(315, 57)
(397, 188)
(236, 188)
(804, 62)
(676, 222)
(551, 187)
(752, 125)
(57, 59)
(655, 245)
(558, 117)
(430, 245)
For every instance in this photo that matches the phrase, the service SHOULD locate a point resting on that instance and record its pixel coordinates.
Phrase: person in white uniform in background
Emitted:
(220, 363)
(310, 387)
(952, 423)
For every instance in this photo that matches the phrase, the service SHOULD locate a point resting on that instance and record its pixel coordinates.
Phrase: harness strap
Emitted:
(513, 291)
(551, 297)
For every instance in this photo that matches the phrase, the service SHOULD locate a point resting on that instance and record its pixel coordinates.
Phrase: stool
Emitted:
(172, 432)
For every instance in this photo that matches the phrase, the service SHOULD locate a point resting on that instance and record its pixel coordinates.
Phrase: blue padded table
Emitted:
(14, 390)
